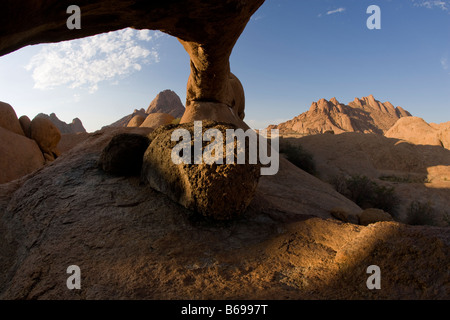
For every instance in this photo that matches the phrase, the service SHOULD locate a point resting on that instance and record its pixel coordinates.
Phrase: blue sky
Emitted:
(291, 54)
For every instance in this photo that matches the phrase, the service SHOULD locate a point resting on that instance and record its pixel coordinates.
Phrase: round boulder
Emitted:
(123, 155)
(25, 123)
(46, 135)
(155, 120)
(136, 121)
(212, 189)
(19, 156)
(373, 215)
(8, 119)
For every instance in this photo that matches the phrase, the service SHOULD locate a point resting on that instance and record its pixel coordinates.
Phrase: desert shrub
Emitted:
(420, 213)
(386, 199)
(339, 182)
(360, 189)
(367, 193)
(176, 121)
(299, 157)
(446, 218)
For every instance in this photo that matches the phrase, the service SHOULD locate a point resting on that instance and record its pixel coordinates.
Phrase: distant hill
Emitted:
(123, 122)
(75, 127)
(366, 115)
(419, 132)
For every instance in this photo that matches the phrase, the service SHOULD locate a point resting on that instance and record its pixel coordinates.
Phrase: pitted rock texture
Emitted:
(219, 191)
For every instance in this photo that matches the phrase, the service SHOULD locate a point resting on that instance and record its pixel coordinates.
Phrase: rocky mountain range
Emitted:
(75, 126)
(366, 115)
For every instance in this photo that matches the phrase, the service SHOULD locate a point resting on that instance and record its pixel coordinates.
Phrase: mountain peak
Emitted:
(167, 101)
(366, 115)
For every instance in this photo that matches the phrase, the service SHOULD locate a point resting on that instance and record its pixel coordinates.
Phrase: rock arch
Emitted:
(207, 29)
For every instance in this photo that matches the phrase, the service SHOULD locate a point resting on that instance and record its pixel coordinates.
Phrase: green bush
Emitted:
(299, 157)
(176, 121)
(420, 213)
(367, 193)
(386, 199)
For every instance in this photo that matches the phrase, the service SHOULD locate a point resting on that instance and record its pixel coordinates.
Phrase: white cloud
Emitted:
(84, 63)
(444, 63)
(338, 10)
(443, 5)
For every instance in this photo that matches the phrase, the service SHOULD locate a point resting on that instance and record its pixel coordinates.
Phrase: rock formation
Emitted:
(365, 115)
(154, 120)
(136, 121)
(124, 153)
(8, 119)
(75, 126)
(164, 108)
(207, 30)
(218, 191)
(135, 243)
(25, 123)
(373, 215)
(417, 172)
(46, 135)
(19, 156)
(123, 122)
(418, 131)
(168, 102)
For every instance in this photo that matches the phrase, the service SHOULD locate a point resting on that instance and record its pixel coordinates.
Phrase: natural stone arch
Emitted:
(207, 29)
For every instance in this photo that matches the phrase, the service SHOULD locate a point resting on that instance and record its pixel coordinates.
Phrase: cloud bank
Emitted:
(85, 63)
